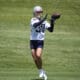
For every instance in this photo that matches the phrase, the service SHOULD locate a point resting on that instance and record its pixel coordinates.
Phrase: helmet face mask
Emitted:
(37, 11)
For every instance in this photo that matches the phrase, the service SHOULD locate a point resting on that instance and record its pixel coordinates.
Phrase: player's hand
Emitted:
(55, 16)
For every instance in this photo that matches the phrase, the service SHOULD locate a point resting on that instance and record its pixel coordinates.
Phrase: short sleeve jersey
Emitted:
(38, 33)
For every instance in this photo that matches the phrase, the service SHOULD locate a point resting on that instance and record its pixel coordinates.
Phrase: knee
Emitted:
(38, 55)
(39, 52)
(34, 56)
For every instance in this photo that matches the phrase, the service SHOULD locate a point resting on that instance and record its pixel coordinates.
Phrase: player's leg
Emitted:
(39, 60)
(38, 56)
(33, 51)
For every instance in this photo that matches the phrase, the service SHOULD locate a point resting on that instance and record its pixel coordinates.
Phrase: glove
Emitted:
(55, 16)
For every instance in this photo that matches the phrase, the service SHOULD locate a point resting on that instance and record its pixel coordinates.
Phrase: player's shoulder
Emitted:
(34, 19)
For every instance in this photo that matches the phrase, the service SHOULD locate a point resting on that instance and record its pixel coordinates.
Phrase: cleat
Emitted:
(43, 75)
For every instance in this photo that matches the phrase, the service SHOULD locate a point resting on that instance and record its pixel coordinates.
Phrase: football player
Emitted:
(38, 26)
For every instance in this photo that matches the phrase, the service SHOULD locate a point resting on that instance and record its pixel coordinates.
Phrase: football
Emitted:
(55, 15)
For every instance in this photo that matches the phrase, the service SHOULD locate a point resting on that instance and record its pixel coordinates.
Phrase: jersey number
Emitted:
(40, 28)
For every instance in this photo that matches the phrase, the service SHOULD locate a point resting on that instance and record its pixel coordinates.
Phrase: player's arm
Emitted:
(40, 22)
(51, 28)
(53, 18)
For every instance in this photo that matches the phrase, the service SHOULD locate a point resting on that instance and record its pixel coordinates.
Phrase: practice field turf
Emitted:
(61, 54)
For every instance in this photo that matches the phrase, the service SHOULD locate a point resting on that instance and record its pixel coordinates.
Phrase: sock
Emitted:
(41, 70)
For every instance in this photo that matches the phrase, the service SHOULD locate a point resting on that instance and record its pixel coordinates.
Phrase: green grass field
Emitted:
(61, 55)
